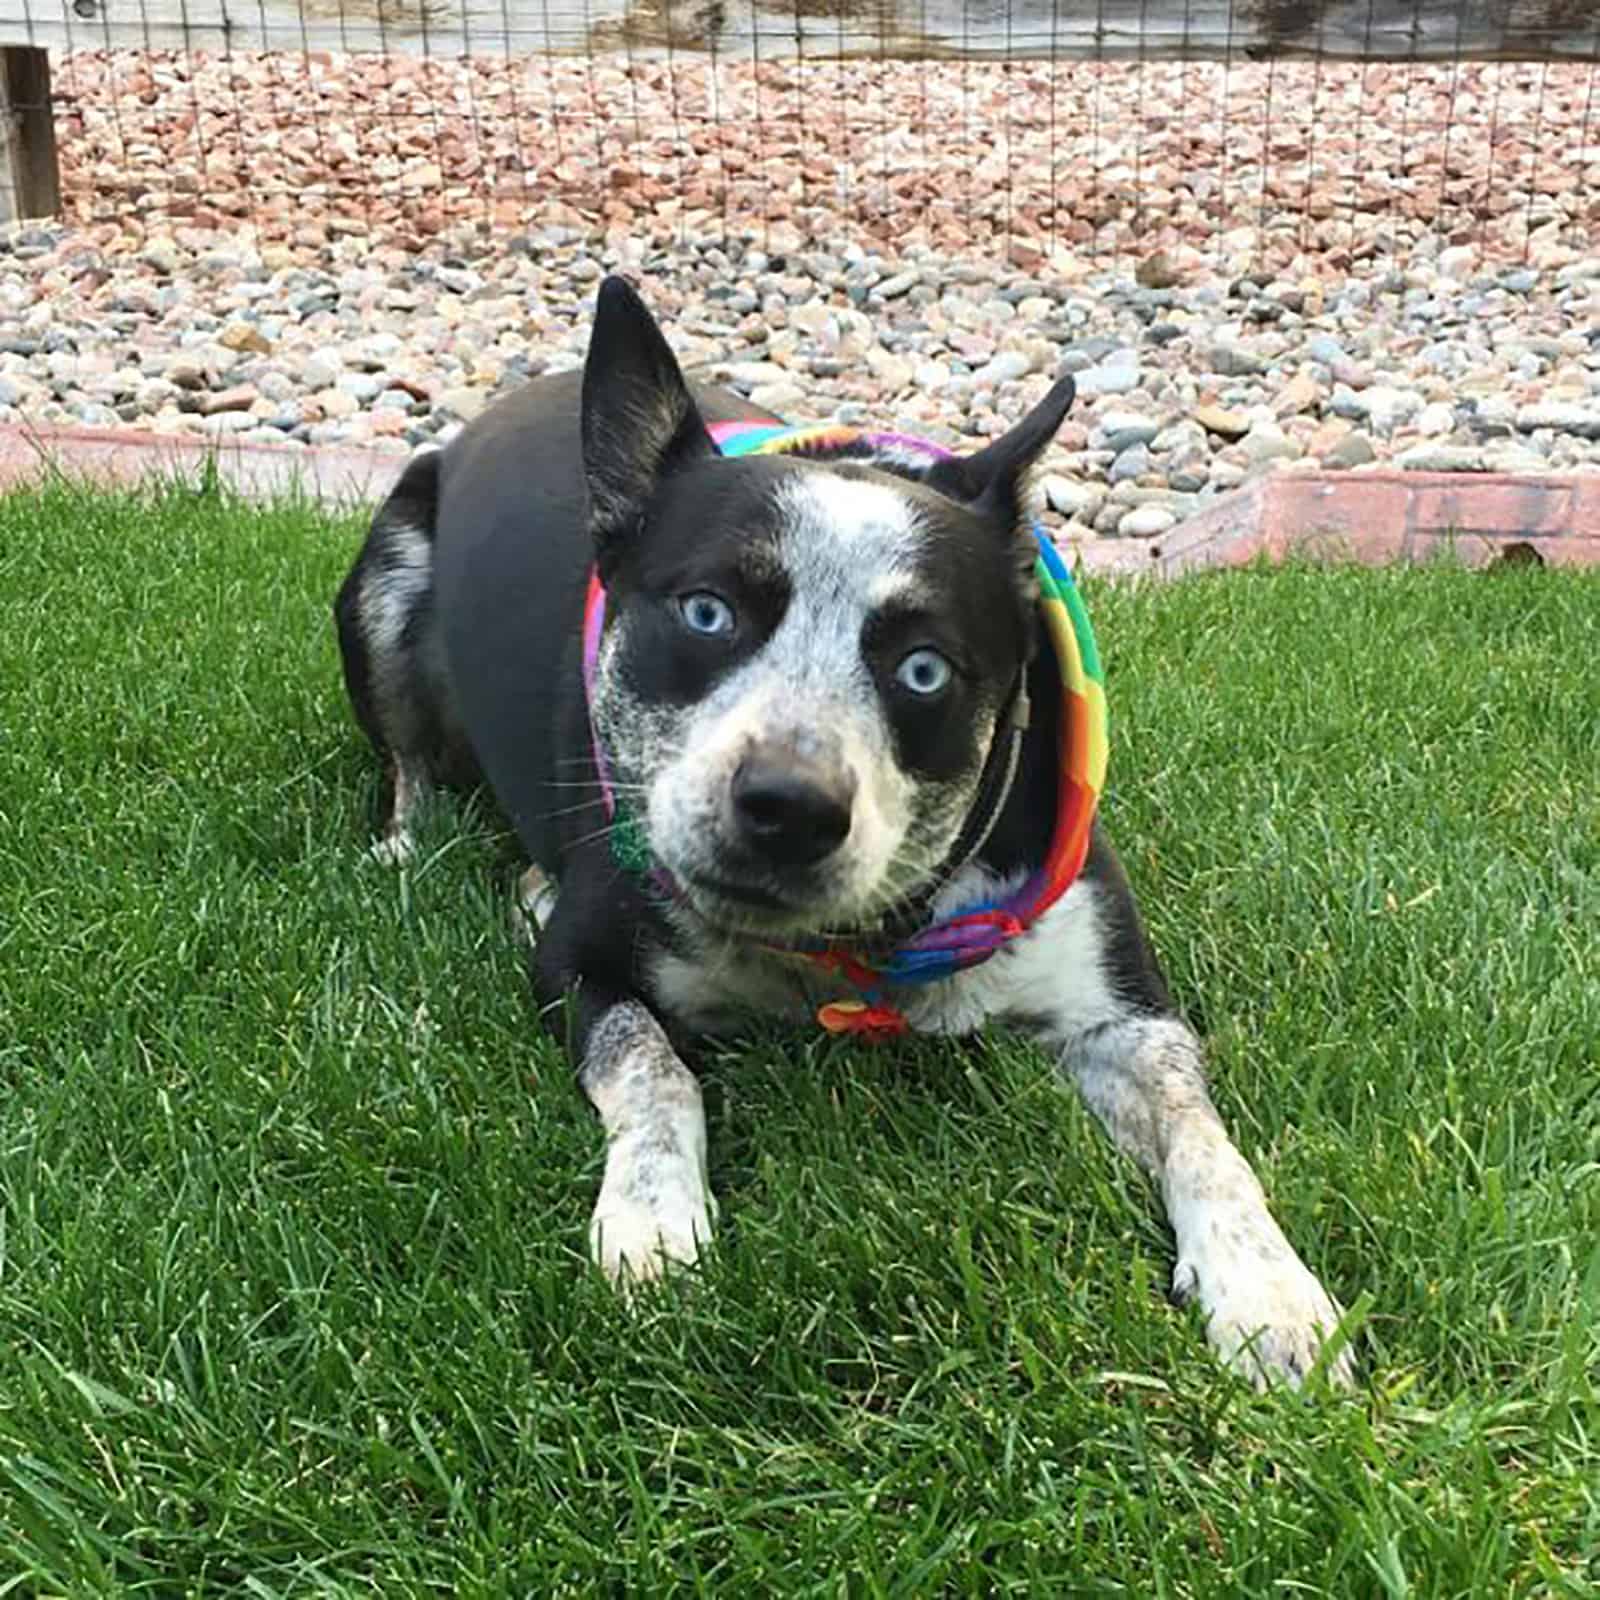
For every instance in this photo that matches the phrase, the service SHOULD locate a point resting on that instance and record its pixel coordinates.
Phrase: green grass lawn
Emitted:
(293, 1296)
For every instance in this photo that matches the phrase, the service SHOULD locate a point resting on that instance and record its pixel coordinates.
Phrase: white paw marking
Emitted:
(1266, 1316)
(395, 849)
(651, 1213)
(534, 907)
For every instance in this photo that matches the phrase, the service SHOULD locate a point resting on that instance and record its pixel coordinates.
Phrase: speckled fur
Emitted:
(434, 643)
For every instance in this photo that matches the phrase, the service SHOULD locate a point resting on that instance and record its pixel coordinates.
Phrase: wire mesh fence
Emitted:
(1023, 125)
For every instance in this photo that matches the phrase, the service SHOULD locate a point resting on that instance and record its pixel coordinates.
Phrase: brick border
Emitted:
(114, 457)
(1372, 517)
(1375, 518)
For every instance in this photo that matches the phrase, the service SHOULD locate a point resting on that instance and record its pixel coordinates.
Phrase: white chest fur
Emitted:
(1055, 972)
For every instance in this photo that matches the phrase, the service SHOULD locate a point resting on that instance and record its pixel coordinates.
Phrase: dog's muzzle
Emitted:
(787, 809)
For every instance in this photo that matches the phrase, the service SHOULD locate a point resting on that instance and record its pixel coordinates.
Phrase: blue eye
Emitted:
(706, 613)
(923, 672)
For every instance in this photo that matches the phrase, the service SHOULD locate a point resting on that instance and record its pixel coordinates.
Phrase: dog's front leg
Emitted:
(655, 1205)
(1266, 1315)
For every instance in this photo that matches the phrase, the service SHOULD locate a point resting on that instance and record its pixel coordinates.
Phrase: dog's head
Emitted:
(805, 661)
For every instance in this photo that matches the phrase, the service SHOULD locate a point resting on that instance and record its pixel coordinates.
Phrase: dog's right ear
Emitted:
(639, 421)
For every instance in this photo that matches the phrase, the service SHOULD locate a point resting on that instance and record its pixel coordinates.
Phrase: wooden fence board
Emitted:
(1421, 30)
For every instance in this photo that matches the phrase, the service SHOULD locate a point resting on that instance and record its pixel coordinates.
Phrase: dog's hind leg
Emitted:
(407, 783)
(385, 615)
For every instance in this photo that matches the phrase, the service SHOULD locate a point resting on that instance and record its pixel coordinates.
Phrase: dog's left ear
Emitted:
(992, 481)
(639, 421)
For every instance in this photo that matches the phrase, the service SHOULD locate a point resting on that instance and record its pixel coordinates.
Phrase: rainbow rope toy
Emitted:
(975, 932)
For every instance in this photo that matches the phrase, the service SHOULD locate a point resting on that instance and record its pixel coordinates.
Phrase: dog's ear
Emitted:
(993, 482)
(639, 422)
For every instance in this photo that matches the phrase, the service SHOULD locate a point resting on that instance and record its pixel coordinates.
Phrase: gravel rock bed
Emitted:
(1190, 381)
(995, 159)
(1236, 293)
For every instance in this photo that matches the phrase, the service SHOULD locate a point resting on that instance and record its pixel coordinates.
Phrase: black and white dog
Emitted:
(817, 710)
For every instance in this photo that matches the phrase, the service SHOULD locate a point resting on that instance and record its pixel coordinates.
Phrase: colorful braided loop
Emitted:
(973, 933)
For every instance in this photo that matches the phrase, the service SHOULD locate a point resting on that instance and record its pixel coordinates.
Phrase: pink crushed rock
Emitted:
(1290, 158)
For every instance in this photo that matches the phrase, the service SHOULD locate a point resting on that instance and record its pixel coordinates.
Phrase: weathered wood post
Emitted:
(30, 175)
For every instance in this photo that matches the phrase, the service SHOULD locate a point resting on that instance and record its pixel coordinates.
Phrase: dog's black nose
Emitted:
(791, 812)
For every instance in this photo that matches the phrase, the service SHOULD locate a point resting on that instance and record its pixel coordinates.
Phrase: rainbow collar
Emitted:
(975, 932)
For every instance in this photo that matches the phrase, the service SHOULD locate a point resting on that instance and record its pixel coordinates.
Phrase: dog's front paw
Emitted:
(648, 1216)
(1266, 1316)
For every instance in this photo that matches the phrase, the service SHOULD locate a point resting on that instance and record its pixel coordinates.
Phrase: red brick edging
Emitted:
(1372, 517)
(111, 456)
(1375, 518)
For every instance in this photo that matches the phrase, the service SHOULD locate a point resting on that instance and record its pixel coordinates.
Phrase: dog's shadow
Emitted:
(777, 1095)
